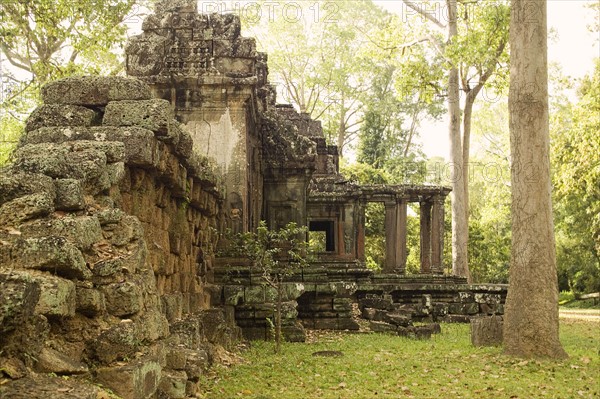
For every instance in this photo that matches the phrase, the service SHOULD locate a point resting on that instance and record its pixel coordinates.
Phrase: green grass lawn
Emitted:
(386, 366)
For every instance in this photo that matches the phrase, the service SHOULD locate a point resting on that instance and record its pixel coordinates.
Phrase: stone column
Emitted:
(437, 235)
(390, 237)
(401, 251)
(360, 235)
(425, 237)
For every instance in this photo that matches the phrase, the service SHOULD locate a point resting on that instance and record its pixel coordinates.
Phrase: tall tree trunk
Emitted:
(466, 148)
(460, 266)
(278, 314)
(531, 315)
(341, 133)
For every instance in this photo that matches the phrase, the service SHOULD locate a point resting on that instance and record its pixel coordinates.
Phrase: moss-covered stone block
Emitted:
(57, 296)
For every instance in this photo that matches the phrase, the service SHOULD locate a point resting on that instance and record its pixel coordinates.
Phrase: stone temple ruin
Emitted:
(121, 188)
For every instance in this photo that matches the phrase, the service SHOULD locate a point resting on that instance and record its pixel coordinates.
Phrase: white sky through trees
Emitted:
(571, 45)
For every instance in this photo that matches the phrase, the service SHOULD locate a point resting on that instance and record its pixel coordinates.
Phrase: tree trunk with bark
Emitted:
(460, 265)
(531, 311)
(278, 314)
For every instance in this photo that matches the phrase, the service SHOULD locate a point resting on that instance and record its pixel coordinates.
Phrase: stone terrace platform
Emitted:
(336, 295)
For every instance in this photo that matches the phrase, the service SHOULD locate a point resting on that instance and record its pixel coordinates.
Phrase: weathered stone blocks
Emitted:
(137, 380)
(24, 208)
(19, 295)
(57, 296)
(15, 184)
(116, 343)
(123, 299)
(82, 231)
(90, 301)
(173, 384)
(154, 115)
(60, 115)
(142, 54)
(94, 90)
(69, 195)
(52, 361)
(53, 254)
(43, 386)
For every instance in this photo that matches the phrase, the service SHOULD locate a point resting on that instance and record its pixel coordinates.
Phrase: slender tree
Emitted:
(475, 47)
(531, 315)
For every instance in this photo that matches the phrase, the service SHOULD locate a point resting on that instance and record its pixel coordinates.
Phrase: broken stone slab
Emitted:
(44, 386)
(137, 380)
(140, 143)
(111, 176)
(57, 296)
(488, 299)
(173, 135)
(293, 332)
(154, 115)
(381, 326)
(94, 90)
(172, 306)
(196, 328)
(397, 319)
(107, 267)
(176, 357)
(19, 294)
(486, 331)
(377, 302)
(52, 361)
(28, 207)
(369, 313)
(53, 254)
(84, 160)
(110, 216)
(60, 115)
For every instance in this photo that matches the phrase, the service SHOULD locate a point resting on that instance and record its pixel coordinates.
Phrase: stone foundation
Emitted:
(323, 295)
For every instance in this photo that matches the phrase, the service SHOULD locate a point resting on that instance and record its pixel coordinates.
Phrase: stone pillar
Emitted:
(425, 237)
(401, 251)
(437, 235)
(390, 237)
(360, 234)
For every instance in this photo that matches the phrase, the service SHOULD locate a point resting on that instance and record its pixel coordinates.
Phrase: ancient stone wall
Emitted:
(107, 224)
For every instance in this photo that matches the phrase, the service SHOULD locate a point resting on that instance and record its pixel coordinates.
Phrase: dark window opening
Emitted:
(321, 235)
